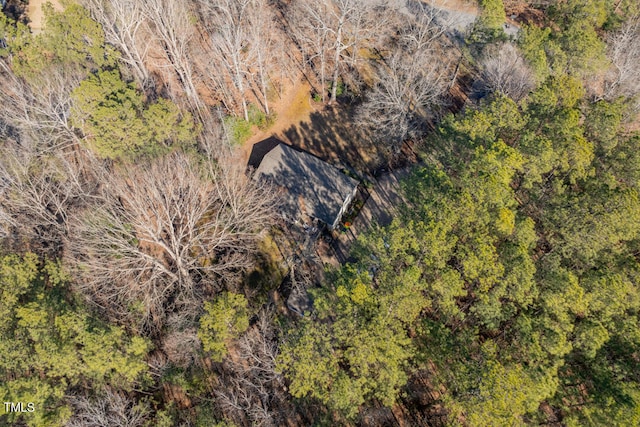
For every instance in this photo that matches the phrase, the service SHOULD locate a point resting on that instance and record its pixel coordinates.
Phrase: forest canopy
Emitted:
(486, 271)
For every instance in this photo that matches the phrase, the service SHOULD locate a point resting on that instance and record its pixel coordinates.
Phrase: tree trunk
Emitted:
(336, 64)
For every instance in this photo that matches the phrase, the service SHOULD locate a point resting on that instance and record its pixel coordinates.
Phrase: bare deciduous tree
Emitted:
(7, 220)
(248, 389)
(181, 347)
(180, 342)
(265, 37)
(242, 39)
(171, 23)
(123, 23)
(163, 233)
(313, 36)
(332, 32)
(42, 190)
(39, 113)
(110, 409)
(229, 25)
(398, 106)
(504, 70)
(427, 24)
(624, 52)
(412, 82)
(41, 178)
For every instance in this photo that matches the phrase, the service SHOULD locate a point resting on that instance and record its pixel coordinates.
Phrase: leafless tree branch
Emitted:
(110, 409)
(398, 106)
(123, 25)
(41, 191)
(162, 232)
(171, 23)
(624, 52)
(504, 70)
(249, 386)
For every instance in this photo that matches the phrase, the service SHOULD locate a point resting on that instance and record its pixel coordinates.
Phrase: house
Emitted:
(311, 188)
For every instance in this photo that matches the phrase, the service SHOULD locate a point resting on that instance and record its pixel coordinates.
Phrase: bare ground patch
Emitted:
(36, 14)
(293, 107)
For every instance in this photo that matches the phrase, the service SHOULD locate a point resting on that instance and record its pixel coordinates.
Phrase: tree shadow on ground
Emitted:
(16, 10)
(331, 135)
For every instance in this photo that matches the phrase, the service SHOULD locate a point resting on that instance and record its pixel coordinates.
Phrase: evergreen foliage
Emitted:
(570, 43)
(512, 269)
(224, 319)
(509, 276)
(490, 22)
(118, 123)
(50, 344)
(71, 39)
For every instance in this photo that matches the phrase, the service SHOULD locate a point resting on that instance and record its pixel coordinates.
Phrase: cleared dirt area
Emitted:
(326, 131)
(295, 106)
(36, 15)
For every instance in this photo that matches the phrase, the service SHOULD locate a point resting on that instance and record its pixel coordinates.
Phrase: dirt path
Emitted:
(36, 16)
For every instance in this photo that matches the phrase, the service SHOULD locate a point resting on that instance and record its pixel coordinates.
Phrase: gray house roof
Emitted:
(313, 187)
